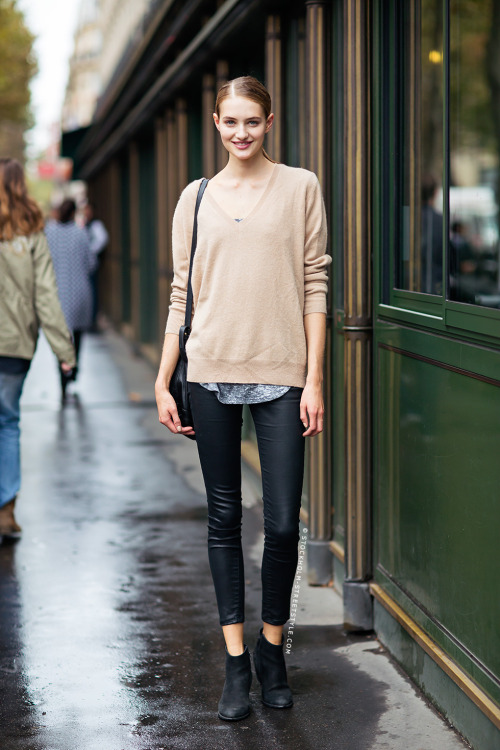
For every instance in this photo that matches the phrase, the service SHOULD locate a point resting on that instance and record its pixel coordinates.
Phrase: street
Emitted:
(109, 632)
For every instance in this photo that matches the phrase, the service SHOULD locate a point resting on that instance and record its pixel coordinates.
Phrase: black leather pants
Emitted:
(281, 450)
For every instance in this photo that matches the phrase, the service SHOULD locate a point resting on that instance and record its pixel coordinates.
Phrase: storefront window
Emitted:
(420, 195)
(474, 151)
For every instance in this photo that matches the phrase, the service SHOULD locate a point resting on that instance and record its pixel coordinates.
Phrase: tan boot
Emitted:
(8, 524)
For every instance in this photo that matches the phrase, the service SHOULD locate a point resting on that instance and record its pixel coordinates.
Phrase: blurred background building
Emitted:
(122, 23)
(85, 68)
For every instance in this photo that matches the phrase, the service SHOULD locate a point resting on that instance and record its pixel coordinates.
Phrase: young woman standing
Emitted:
(258, 333)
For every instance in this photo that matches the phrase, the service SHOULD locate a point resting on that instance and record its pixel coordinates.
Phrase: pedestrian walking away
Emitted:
(28, 298)
(73, 263)
(98, 240)
(259, 283)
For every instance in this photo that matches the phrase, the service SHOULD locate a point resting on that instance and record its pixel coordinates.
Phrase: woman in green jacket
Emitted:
(28, 300)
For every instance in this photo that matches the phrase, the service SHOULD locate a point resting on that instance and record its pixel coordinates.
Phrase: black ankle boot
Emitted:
(270, 669)
(234, 703)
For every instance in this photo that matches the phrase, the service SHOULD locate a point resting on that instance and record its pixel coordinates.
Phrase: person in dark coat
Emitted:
(73, 263)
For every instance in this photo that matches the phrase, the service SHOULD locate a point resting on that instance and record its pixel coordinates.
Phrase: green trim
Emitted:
(465, 356)
(429, 324)
(458, 709)
(412, 317)
(419, 302)
(484, 320)
(478, 672)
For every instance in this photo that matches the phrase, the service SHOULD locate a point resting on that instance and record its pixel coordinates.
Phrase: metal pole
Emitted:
(358, 609)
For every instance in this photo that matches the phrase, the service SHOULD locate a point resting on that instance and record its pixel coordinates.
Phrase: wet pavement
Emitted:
(109, 637)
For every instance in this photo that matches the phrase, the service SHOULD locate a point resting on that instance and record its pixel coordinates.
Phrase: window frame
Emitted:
(435, 312)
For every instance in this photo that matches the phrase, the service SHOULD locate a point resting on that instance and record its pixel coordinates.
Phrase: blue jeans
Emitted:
(11, 387)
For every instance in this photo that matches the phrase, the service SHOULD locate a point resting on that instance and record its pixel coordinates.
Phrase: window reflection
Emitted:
(421, 131)
(474, 151)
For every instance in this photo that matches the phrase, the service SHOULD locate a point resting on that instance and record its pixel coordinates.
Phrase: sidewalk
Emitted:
(109, 637)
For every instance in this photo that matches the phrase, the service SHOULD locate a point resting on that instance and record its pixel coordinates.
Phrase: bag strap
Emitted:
(189, 298)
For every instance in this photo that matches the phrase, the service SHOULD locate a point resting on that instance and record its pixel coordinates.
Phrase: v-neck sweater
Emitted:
(253, 281)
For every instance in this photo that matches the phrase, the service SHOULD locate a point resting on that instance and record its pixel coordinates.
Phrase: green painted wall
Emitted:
(437, 446)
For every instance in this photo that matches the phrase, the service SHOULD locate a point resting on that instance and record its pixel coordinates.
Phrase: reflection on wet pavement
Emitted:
(109, 631)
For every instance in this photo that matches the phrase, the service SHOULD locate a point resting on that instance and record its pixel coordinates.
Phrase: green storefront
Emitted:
(436, 358)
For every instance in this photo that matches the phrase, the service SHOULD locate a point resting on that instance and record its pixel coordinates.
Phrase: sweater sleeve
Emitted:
(47, 305)
(182, 227)
(316, 260)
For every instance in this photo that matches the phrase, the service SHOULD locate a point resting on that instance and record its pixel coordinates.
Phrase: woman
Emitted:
(258, 333)
(73, 264)
(28, 298)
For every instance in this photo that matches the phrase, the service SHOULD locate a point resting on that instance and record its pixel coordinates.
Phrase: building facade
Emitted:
(122, 23)
(84, 82)
(395, 106)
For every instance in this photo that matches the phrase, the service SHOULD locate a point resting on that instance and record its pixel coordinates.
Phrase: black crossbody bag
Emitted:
(178, 383)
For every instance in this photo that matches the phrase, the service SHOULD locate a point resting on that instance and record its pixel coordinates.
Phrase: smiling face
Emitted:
(242, 125)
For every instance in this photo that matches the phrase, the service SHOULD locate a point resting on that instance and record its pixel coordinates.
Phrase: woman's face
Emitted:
(242, 126)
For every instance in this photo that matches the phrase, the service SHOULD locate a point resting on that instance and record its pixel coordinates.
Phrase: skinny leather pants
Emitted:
(281, 450)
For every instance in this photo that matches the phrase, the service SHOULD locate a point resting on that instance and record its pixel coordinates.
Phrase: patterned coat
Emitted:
(73, 264)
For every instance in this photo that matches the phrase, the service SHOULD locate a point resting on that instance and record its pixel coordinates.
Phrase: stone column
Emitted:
(274, 81)
(358, 319)
(319, 556)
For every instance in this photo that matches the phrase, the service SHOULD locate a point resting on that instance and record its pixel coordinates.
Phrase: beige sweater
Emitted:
(253, 281)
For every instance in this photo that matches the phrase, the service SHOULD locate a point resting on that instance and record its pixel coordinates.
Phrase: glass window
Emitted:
(474, 152)
(420, 196)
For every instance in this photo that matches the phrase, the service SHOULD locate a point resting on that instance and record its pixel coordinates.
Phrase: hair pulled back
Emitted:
(67, 211)
(249, 88)
(19, 214)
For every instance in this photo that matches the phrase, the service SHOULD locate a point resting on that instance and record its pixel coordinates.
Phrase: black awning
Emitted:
(70, 143)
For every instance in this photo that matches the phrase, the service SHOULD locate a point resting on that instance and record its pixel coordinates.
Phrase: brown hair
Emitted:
(249, 88)
(67, 211)
(19, 214)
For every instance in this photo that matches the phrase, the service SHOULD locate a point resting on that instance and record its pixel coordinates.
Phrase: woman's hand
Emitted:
(312, 409)
(167, 409)
(167, 412)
